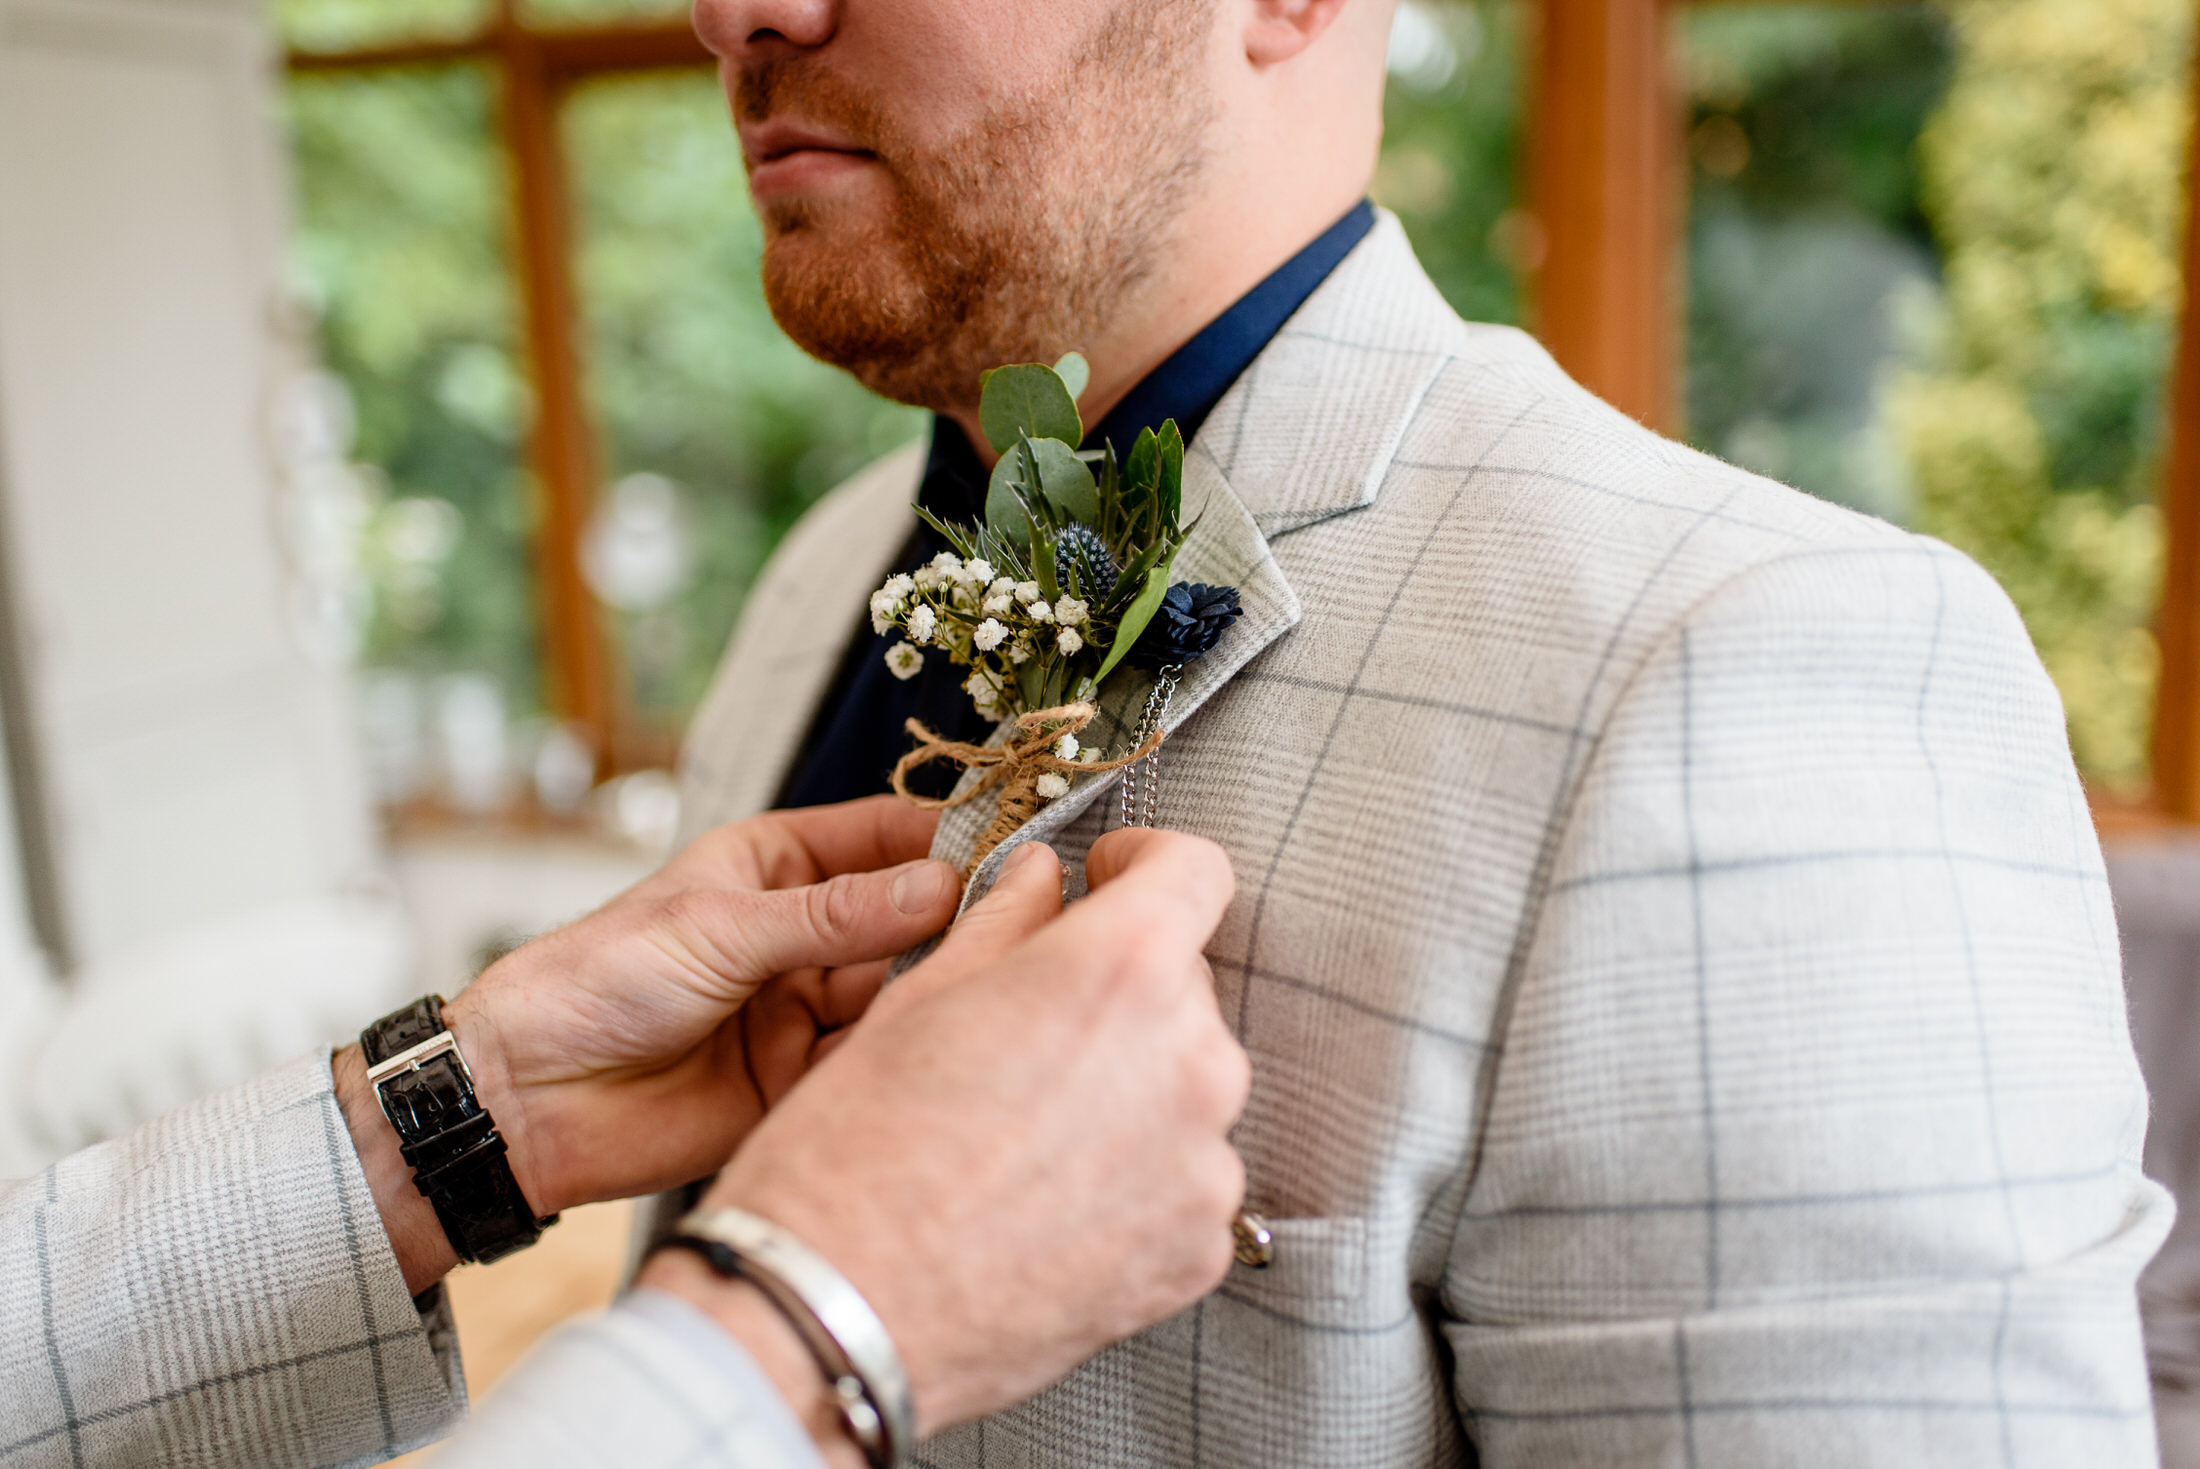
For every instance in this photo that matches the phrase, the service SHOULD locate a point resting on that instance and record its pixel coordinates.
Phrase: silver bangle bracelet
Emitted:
(870, 1387)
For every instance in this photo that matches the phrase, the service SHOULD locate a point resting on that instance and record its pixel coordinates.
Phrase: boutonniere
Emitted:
(1064, 582)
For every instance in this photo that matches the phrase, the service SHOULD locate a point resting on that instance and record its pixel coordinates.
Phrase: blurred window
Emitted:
(601, 12)
(401, 246)
(1808, 250)
(353, 25)
(1932, 273)
(1449, 169)
(527, 237)
(1925, 262)
(715, 431)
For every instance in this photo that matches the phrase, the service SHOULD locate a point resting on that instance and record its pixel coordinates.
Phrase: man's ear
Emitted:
(1277, 30)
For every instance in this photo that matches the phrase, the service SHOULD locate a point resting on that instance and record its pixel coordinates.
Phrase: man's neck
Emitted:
(1210, 264)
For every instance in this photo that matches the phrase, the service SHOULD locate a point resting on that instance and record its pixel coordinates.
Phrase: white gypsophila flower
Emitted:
(1069, 642)
(947, 563)
(1039, 612)
(922, 623)
(883, 609)
(984, 696)
(899, 585)
(1002, 586)
(1027, 591)
(925, 578)
(904, 661)
(1070, 611)
(978, 573)
(1019, 652)
(990, 634)
(1065, 748)
(1000, 606)
(1052, 786)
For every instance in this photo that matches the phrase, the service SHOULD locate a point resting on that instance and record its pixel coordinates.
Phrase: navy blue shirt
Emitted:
(859, 732)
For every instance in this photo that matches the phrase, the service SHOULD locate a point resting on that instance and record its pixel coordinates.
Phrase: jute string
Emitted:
(1014, 767)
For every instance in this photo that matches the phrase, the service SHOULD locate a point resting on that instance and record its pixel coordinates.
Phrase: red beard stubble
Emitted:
(1014, 242)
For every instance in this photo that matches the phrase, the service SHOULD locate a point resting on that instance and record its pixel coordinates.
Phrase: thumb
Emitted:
(849, 919)
(1025, 897)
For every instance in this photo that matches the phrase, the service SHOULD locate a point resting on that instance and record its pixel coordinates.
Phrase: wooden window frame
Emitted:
(1605, 132)
(536, 68)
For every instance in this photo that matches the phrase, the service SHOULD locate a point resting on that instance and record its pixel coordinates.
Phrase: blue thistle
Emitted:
(1079, 548)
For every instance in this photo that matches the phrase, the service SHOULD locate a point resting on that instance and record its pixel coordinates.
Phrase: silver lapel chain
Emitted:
(1142, 782)
(1251, 1240)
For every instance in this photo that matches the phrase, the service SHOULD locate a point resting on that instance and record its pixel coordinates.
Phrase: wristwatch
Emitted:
(447, 1136)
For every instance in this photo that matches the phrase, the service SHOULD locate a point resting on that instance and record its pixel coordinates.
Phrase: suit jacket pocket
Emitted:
(1315, 1260)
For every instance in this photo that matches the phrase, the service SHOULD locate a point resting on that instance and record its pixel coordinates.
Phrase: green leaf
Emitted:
(1142, 564)
(1134, 621)
(1043, 571)
(1005, 515)
(957, 537)
(1028, 399)
(1065, 481)
(1065, 487)
(1031, 682)
(1172, 474)
(1143, 472)
(1074, 372)
(1111, 499)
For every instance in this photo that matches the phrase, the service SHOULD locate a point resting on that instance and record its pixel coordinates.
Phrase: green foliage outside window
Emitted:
(1968, 333)
(1806, 235)
(400, 202)
(2054, 180)
(689, 377)
(1452, 140)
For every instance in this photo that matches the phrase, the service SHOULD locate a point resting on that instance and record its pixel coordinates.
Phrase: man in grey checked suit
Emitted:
(1670, 937)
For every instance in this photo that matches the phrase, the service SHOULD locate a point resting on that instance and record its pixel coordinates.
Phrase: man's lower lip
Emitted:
(805, 168)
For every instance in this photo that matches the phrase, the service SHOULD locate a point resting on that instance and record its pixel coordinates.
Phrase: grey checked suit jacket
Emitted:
(1671, 942)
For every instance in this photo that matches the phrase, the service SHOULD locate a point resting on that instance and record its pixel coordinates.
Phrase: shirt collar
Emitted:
(1186, 387)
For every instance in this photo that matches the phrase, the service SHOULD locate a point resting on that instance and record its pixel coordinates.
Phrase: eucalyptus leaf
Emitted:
(1134, 621)
(1029, 399)
(1065, 481)
(1074, 372)
(1005, 515)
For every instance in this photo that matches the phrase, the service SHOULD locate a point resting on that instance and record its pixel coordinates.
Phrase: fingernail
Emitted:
(924, 887)
(1023, 856)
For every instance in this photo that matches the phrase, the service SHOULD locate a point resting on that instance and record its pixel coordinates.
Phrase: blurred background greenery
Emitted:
(1931, 272)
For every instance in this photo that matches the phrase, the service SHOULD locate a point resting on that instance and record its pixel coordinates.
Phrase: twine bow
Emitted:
(1016, 765)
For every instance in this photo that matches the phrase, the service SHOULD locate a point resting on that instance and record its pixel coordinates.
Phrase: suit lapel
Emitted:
(791, 638)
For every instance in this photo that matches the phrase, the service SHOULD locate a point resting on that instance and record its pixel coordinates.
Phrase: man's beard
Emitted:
(1014, 242)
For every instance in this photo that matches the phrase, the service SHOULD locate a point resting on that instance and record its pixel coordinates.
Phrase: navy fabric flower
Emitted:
(1192, 618)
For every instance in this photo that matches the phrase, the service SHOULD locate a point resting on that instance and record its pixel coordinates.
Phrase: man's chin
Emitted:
(854, 305)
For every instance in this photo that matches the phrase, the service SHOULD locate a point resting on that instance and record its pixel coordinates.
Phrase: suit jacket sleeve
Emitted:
(1815, 1132)
(215, 1288)
(652, 1383)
